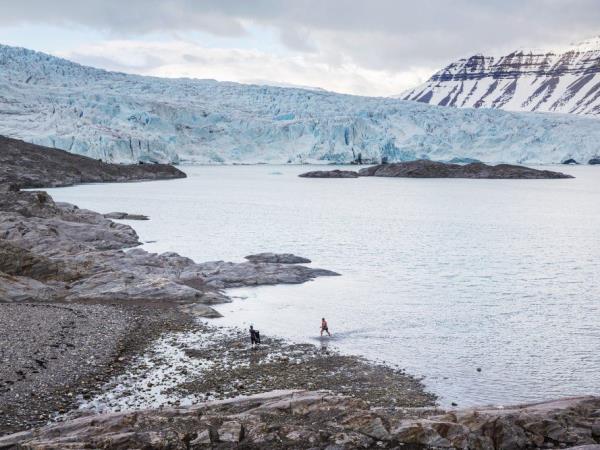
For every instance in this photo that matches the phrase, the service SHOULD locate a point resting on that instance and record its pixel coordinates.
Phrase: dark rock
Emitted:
(330, 174)
(433, 169)
(32, 166)
(570, 161)
(280, 258)
(594, 161)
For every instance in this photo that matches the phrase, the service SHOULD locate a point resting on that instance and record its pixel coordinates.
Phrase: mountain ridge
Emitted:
(567, 81)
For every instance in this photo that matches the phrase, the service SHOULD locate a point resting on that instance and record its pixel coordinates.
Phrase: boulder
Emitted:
(594, 161)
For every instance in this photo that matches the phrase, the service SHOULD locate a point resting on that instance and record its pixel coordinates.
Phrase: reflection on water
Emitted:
(440, 277)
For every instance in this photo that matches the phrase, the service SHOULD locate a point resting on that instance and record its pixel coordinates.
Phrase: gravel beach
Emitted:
(53, 356)
(205, 362)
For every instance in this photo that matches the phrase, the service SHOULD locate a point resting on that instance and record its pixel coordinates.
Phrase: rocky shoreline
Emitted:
(82, 306)
(105, 345)
(57, 257)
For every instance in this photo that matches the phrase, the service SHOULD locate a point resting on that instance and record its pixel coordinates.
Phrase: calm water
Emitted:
(439, 276)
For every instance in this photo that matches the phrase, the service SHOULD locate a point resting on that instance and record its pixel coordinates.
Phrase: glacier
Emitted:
(122, 117)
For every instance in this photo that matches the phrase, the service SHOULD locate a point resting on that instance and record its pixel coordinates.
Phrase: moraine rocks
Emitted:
(320, 419)
(330, 174)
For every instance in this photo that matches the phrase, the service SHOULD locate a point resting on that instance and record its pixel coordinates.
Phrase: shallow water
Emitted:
(438, 276)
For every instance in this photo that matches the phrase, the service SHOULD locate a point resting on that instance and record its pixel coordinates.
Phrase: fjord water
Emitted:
(440, 277)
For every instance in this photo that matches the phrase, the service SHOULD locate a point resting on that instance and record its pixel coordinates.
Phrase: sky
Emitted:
(374, 47)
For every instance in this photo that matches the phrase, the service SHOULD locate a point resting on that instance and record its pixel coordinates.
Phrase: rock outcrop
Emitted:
(304, 419)
(61, 252)
(432, 169)
(280, 258)
(31, 166)
(330, 174)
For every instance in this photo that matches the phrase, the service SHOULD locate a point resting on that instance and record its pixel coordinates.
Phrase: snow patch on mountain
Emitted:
(122, 118)
(564, 81)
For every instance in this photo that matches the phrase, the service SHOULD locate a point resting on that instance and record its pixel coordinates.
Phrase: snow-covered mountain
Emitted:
(121, 117)
(566, 81)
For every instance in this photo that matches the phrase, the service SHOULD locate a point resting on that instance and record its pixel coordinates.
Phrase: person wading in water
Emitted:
(324, 327)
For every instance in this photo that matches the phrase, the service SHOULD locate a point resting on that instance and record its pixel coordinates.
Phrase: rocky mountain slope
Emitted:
(565, 81)
(126, 118)
(28, 166)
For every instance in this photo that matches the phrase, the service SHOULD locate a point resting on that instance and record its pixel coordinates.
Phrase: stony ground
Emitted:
(213, 363)
(53, 356)
(237, 368)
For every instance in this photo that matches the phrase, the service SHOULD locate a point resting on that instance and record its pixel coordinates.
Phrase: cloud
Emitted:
(185, 59)
(380, 40)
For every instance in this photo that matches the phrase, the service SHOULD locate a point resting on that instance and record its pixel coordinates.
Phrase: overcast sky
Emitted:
(366, 47)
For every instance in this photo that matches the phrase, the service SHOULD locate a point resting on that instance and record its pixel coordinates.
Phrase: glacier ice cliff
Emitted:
(122, 118)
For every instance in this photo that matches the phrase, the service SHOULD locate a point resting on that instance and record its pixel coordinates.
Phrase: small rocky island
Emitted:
(432, 169)
(330, 174)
